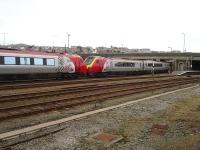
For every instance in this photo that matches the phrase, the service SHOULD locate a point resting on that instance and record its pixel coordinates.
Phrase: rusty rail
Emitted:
(85, 95)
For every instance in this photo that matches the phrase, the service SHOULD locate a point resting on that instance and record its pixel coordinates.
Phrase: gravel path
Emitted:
(133, 123)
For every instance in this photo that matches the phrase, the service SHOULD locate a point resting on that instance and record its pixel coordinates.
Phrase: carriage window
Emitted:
(125, 64)
(119, 64)
(38, 61)
(132, 64)
(9, 60)
(50, 62)
(25, 61)
(157, 65)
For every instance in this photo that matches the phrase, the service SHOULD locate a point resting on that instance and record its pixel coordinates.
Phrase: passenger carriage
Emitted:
(101, 66)
(16, 64)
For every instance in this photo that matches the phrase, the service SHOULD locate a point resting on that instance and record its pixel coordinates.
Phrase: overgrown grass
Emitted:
(186, 112)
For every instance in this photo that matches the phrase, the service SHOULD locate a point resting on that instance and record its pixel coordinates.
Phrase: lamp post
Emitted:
(53, 38)
(170, 48)
(53, 46)
(4, 38)
(68, 35)
(152, 74)
(184, 50)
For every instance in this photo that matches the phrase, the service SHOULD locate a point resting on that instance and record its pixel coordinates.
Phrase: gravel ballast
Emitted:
(133, 123)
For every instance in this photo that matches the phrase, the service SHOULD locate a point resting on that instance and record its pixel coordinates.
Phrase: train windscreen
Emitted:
(89, 60)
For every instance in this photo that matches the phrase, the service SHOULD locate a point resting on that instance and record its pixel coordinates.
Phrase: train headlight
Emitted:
(88, 68)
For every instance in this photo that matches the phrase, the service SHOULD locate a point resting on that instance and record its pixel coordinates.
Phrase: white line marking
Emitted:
(14, 133)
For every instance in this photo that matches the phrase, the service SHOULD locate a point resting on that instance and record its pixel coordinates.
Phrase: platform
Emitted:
(186, 72)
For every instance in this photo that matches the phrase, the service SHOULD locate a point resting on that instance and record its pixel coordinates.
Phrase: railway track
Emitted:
(18, 82)
(33, 103)
(37, 84)
(70, 90)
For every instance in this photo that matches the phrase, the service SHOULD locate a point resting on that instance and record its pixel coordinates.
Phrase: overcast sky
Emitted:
(154, 24)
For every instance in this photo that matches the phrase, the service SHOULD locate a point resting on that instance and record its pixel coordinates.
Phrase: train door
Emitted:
(100, 63)
(143, 65)
(111, 65)
(65, 65)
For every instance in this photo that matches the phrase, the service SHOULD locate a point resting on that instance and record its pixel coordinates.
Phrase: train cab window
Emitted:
(89, 60)
(25, 61)
(38, 61)
(9, 60)
(50, 62)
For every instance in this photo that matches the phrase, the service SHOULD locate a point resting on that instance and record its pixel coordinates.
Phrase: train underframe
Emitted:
(40, 76)
(127, 73)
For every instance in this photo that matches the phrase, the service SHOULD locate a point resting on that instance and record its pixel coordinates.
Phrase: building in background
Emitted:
(80, 49)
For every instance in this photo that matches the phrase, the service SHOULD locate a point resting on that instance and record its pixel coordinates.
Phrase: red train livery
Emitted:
(101, 66)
